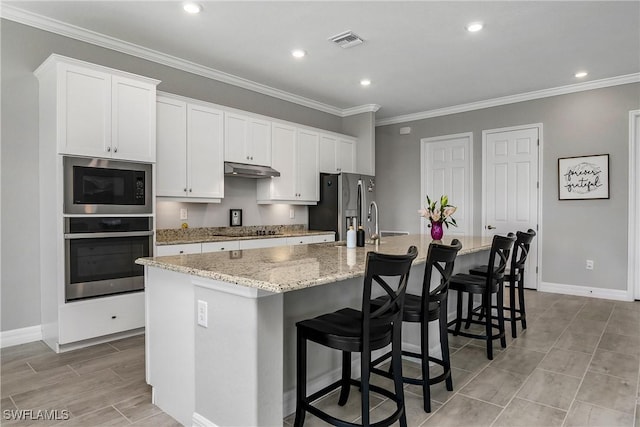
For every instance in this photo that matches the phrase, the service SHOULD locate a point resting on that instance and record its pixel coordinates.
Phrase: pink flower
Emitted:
(449, 211)
(424, 213)
(435, 215)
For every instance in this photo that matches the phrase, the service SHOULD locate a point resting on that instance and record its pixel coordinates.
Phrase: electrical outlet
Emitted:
(203, 314)
(292, 213)
(589, 265)
(184, 214)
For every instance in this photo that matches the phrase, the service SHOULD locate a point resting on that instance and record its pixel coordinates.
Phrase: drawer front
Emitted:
(220, 246)
(304, 240)
(101, 316)
(262, 243)
(188, 248)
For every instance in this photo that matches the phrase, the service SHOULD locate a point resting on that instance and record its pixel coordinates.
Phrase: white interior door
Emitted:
(510, 186)
(634, 204)
(447, 170)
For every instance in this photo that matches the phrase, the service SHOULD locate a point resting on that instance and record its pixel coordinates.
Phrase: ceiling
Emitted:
(417, 54)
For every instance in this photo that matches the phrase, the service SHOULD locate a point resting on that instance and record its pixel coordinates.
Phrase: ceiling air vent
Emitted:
(346, 39)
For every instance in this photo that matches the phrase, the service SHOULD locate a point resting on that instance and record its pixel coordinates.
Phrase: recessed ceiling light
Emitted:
(192, 8)
(365, 82)
(581, 74)
(298, 53)
(474, 26)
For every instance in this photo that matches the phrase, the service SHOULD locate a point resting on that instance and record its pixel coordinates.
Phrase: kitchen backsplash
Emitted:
(239, 193)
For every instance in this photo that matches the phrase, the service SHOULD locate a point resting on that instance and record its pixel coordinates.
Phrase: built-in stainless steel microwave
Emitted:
(102, 186)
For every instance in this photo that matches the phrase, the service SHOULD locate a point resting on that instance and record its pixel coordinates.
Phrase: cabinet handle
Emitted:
(247, 157)
(190, 190)
(108, 149)
(251, 157)
(181, 252)
(222, 249)
(185, 190)
(115, 150)
(113, 317)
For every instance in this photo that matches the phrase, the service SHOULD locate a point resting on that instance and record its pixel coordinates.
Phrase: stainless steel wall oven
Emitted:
(100, 254)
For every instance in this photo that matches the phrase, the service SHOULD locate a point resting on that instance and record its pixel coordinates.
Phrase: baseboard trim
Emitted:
(20, 336)
(198, 420)
(585, 291)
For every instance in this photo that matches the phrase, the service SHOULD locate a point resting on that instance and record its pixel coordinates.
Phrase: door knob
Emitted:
(490, 227)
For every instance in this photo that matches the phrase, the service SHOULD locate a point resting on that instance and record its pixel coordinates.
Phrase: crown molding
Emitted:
(41, 22)
(511, 99)
(367, 108)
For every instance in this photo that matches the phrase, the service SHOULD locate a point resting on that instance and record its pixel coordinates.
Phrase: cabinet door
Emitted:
(84, 113)
(232, 245)
(133, 115)
(327, 150)
(259, 142)
(205, 155)
(184, 249)
(307, 175)
(171, 164)
(235, 138)
(262, 243)
(346, 155)
(283, 159)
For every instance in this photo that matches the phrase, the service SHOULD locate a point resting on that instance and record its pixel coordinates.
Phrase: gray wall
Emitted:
(23, 49)
(590, 122)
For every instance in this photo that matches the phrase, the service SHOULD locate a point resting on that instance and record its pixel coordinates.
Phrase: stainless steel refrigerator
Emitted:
(344, 200)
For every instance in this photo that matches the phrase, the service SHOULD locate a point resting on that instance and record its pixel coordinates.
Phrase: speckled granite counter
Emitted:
(175, 236)
(289, 268)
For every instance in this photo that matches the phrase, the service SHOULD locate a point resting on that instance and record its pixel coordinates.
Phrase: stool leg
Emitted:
(365, 364)
(512, 305)
(396, 360)
(346, 376)
(301, 377)
(500, 314)
(444, 344)
(458, 313)
(523, 311)
(487, 326)
(424, 350)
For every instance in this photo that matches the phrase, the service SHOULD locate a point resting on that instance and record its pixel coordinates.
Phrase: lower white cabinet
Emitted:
(183, 249)
(262, 243)
(304, 240)
(100, 316)
(231, 245)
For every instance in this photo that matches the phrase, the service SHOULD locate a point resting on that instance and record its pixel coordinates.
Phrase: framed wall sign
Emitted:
(582, 178)
(235, 217)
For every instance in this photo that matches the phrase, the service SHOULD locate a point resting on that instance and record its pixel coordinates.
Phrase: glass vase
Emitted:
(436, 230)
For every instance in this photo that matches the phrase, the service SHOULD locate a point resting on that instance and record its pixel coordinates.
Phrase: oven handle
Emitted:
(71, 236)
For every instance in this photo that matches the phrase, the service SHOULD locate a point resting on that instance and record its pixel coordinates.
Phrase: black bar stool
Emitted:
(515, 279)
(485, 286)
(350, 330)
(429, 307)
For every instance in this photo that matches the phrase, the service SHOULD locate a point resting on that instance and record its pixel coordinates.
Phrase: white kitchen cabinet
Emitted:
(262, 243)
(336, 154)
(247, 139)
(181, 249)
(99, 112)
(190, 151)
(295, 155)
(304, 240)
(229, 245)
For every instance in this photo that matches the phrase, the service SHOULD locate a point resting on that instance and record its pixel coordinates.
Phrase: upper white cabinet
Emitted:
(190, 151)
(99, 112)
(247, 139)
(336, 154)
(294, 154)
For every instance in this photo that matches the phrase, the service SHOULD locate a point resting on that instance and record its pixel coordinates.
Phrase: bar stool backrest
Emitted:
(440, 257)
(378, 268)
(500, 250)
(521, 250)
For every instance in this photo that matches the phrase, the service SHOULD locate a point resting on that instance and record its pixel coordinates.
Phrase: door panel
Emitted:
(171, 163)
(205, 152)
(510, 183)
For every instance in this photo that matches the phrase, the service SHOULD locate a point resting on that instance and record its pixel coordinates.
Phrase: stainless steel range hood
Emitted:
(249, 171)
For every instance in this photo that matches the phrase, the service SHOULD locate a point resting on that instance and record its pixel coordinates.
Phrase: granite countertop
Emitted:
(289, 268)
(176, 236)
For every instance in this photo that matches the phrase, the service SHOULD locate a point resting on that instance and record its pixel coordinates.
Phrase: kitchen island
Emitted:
(237, 368)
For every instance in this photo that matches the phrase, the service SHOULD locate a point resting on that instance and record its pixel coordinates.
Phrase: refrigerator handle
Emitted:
(360, 205)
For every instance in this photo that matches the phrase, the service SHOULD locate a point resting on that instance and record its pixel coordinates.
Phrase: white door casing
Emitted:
(510, 186)
(447, 169)
(633, 274)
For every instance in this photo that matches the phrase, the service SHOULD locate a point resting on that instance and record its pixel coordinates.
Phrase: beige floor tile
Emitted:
(620, 343)
(470, 358)
(108, 395)
(52, 360)
(494, 385)
(550, 388)
(158, 420)
(541, 342)
(518, 360)
(577, 342)
(609, 392)
(413, 407)
(464, 411)
(622, 315)
(106, 416)
(439, 392)
(120, 359)
(585, 415)
(566, 362)
(587, 326)
(637, 422)
(137, 407)
(16, 383)
(7, 403)
(135, 341)
(522, 413)
(627, 305)
(617, 364)
(22, 352)
(622, 327)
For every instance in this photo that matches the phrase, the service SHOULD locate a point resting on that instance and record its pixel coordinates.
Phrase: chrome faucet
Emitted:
(375, 236)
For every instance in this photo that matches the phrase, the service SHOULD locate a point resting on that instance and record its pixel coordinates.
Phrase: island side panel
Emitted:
(170, 315)
(239, 355)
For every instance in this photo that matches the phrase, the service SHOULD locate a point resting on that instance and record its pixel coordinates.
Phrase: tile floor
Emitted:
(577, 364)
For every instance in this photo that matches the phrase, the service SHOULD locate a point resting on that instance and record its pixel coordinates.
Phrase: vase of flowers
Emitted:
(438, 215)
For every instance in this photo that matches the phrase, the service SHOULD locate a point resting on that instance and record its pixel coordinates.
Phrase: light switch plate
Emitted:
(184, 214)
(203, 314)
